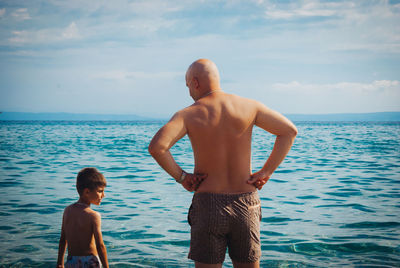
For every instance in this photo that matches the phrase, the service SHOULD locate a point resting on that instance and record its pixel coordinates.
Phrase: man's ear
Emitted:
(196, 82)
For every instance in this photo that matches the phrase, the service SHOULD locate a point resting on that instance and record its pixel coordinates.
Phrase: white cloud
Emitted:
(383, 45)
(45, 35)
(2, 12)
(21, 14)
(70, 32)
(308, 8)
(344, 87)
(342, 97)
(126, 75)
(341, 26)
(141, 8)
(155, 8)
(151, 25)
(19, 37)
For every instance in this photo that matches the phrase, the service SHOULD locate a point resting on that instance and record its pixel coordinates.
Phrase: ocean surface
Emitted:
(334, 202)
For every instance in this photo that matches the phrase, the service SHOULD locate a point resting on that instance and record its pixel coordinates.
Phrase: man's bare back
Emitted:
(219, 127)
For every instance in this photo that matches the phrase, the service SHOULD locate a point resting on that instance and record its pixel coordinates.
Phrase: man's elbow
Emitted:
(290, 132)
(152, 150)
(155, 149)
(293, 131)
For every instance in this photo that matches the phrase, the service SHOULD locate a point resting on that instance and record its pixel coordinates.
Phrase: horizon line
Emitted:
(138, 114)
(65, 116)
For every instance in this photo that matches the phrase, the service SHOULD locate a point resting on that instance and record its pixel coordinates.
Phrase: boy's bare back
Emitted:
(79, 225)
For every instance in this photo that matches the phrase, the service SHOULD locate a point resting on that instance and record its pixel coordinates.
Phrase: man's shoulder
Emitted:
(198, 108)
(188, 111)
(240, 101)
(244, 99)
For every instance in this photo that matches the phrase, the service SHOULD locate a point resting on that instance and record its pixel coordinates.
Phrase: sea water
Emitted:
(335, 201)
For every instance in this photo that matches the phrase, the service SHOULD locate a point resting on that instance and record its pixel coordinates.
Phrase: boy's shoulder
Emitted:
(77, 208)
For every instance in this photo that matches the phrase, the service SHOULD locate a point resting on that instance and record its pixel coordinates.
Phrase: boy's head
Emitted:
(89, 178)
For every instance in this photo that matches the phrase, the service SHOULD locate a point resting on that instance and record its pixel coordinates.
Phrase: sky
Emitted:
(130, 57)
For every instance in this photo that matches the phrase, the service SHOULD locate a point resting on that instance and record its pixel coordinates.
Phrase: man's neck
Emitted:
(209, 93)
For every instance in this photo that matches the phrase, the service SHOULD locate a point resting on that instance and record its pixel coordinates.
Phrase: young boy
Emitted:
(81, 226)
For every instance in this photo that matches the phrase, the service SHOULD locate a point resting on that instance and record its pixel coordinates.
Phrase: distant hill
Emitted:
(383, 116)
(71, 117)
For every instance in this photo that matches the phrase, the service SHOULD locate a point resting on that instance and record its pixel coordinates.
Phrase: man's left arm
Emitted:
(159, 148)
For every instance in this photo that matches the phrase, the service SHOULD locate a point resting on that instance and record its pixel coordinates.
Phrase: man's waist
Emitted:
(217, 186)
(251, 199)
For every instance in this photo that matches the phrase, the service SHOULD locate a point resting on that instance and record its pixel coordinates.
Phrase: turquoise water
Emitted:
(335, 201)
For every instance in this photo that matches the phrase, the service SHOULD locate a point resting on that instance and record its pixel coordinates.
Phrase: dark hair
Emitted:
(90, 178)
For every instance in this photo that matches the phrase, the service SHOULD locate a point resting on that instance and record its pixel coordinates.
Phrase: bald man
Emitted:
(225, 210)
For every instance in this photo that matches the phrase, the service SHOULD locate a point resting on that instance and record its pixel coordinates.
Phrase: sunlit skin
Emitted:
(81, 227)
(219, 126)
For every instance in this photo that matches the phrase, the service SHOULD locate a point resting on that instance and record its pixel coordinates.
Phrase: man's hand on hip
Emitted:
(193, 181)
(258, 179)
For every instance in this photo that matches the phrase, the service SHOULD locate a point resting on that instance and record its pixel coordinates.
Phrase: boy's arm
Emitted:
(101, 248)
(61, 246)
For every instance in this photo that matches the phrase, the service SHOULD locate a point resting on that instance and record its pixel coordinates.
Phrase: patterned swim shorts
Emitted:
(90, 261)
(219, 221)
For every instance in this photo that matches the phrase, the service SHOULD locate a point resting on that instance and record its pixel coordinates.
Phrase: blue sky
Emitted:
(130, 57)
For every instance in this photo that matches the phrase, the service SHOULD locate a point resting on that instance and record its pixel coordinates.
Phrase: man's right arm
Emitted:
(285, 132)
(164, 139)
(159, 148)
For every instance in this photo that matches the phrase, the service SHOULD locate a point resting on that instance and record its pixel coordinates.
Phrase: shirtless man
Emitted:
(225, 210)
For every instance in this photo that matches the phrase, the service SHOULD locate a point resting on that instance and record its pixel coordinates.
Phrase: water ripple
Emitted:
(369, 224)
(333, 202)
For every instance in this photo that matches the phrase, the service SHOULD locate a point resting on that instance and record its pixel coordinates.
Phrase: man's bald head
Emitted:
(206, 73)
